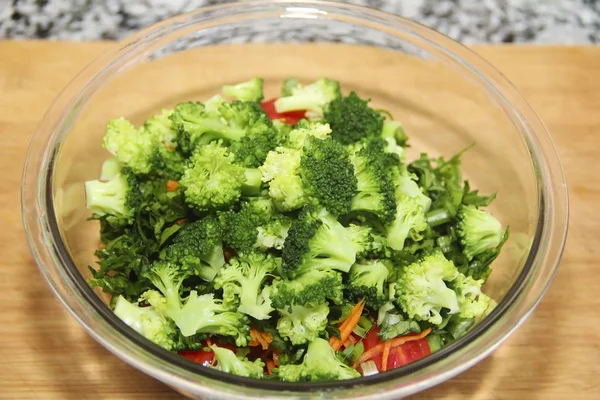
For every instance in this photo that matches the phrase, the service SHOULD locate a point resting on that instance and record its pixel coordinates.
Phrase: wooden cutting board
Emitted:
(44, 354)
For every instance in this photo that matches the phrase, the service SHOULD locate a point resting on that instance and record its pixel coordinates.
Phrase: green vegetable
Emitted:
(319, 364)
(227, 361)
(216, 222)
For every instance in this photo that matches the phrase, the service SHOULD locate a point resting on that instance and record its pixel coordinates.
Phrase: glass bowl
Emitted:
(446, 96)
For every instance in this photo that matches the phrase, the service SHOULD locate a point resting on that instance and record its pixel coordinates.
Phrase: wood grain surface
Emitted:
(44, 354)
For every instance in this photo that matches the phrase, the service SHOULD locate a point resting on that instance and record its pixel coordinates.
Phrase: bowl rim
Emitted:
(37, 183)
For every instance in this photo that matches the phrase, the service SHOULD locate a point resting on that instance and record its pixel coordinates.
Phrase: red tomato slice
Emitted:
(408, 352)
(289, 117)
(400, 355)
(203, 357)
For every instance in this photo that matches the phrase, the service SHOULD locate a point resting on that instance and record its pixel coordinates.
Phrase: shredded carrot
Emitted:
(276, 358)
(169, 146)
(348, 326)
(386, 354)
(270, 366)
(262, 339)
(208, 342)
(350, 341)
(172, 185)
(377, 350)
(181, 221)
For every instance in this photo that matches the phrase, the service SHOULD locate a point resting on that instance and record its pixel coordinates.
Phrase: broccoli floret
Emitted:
(251, 90)
(405, 185)
(198, 244)
(422, 292)
(297, 138)
(312, 98)
(226, 361)
(367, 281)
(351, 119)
(478, 230)
(362, 239)
(301, 324)
(240, 228)
(197, 126)
(410, 219)
(272, 235)
(198, 314)
(261, 135)
(117, 198)
(394, 131)
(472, 302)
(132, 147)
(315, 287)
(244, 276)
(316, 240)
(320, 172)
(161, 126)
(110, 168)
(213, 180)
(147, 322)
(319, 364)
(328, 174)
(281, 170)
(373, 168)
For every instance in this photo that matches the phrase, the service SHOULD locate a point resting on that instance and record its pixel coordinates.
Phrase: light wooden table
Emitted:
(44, 354)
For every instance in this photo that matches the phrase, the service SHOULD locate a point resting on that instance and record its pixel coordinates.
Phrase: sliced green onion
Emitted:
(435, 342)
(383, 311)
(363, 327)
(369, 368)
(438, 217)
(359, 349)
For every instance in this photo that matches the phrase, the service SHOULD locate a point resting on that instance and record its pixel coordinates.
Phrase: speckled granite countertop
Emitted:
(470, 21)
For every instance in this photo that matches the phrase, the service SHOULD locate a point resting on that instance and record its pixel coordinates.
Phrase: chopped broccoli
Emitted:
(367, 281)
(132, 147)
(405, 185)
(319, 364)
(472, 302)
(251, 90)
(422, 292)
(410, 219)
(198, 245)
(213, 180)
(351, 119)
(198, 314)
(328, 174)
(227, 361)
(272, 234)
(161, 126)
(362, 239)
(316, 240)
(301, 324)
(394, 131)
(118, 198)
(373, 168)
(110, 168)
(478, 230)
(261, 135)
(281, 170)
(320, 172)
(196, 126)
(312, 98)
(314, 287)
(298, 137)
(240, 228)
(244, 276)
(146, 321)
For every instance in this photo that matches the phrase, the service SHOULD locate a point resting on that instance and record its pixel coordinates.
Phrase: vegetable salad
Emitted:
(290, 238)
